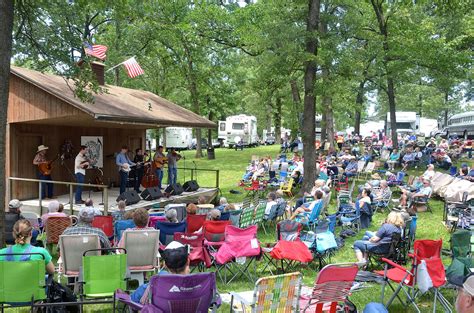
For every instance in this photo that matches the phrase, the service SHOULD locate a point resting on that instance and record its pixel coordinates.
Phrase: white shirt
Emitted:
(77, 164)
(268, 208)
(428, 174)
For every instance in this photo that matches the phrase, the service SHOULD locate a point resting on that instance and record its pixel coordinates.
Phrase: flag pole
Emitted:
(119, 64)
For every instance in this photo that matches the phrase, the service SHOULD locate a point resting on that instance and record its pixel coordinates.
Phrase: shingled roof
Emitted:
(119, 104)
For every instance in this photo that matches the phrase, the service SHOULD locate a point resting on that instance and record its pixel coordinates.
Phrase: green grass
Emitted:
(232, 164)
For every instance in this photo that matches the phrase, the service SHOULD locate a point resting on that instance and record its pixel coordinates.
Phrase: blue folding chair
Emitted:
(120, 227)
(168, 229)
(351, 219)
(310, 219)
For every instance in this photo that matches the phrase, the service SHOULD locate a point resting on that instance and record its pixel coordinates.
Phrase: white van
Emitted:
(237, 127)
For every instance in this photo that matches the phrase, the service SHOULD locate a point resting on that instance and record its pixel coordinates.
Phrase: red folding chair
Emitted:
(199, 255)
(424, 250)
(332, 286)
(214, 233)
(289, 250)
(106, 223)
(194, 222)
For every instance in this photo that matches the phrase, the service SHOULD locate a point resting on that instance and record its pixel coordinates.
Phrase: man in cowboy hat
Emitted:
(40, 158)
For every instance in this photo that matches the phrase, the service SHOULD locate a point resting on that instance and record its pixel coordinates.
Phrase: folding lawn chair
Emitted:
(142, 252)
(310, 219)
(214, 234)
(429, 252)
(194, 222)
(332, 287)
(238, 253)
(398, 179)
(321, 241)
(351, 218)
(289, 251)
(102, 275)
(246, 217)
(175, 293)
(55, 227)
(22, 282)
(422, 201)
(234, 217)
(369, 169)
(199, 255)
(281, 211)
(106, 223)
(32, 217)
(260, 215)
(360, 168)
(461, 254)
(287, 187)
(72, 247)
(120, 227)
(392, 250)
(278, 293)
(168, 229)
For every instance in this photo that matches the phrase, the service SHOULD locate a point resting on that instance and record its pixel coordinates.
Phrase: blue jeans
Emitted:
(363, 245)
(159, 174)
(123, 181)
(44, 186)
(172, 175)
(79, 179)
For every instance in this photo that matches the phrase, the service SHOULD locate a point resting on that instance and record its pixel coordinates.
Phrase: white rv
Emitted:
(407, 122)
(237, 127)
(179, 138)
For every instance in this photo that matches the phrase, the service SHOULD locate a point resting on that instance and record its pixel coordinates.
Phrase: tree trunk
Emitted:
(6, 28)
(359, 105)
(327, 105)
(295, 124)
(309, 96)
(323, 124)
(117, 45)
(269, 117)
(446, 111)
(196, 108)
(277, 119)
(383, 27)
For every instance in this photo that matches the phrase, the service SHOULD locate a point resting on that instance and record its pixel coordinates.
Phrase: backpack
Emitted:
(59, 293)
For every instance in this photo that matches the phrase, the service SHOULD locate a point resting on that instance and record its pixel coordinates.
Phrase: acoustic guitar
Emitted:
(159, 162)
(46, 168)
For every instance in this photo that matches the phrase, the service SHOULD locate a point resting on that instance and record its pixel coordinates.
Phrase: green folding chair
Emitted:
(102, 275)
(22, 282)
(246, 218)
(260, 214)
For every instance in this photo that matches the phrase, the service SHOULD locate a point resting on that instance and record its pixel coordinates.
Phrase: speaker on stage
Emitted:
(130, 197)
(190, 185)
(151, 193)
(174, 190)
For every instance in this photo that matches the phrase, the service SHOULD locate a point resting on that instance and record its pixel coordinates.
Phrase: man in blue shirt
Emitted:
(124, 164)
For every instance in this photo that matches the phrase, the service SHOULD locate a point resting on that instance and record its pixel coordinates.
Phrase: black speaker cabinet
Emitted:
(130, 197)
(151, 193)
(190, 185)
(174, 190)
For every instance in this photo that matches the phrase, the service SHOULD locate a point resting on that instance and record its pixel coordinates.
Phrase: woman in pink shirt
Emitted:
(54, 209)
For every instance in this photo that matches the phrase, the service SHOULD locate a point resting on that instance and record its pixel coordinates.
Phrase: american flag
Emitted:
(97, 51)
(133, 68)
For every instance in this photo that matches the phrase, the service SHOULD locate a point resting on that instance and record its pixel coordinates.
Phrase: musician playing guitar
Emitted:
(141, 160)
(80, 165)
(159, 160)
(44, 171)
(124, 164)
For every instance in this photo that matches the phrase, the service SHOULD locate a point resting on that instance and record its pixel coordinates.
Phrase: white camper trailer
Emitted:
(179, 138)
(238, 127)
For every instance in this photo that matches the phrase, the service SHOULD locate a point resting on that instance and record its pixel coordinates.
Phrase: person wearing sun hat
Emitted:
(40, 158)
(465, 297)
(176, 257)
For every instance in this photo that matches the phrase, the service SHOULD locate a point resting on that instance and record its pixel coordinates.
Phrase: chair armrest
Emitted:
(245, 298)
(394, 264)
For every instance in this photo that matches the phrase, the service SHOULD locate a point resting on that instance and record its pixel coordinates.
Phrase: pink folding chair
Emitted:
(241, 246)
(332, 286)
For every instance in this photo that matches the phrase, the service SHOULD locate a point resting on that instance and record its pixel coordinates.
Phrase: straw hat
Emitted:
(41, 148)
(376, 176)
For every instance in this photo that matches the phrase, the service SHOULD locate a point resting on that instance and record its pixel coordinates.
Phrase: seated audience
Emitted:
(351, 168)
(191, 209)
(171, 216)
(140, 219)
(22, 233)
(408, 197)
(393, 159)
(54, 209)
(84, 226)
(222, 204)
(383, 193)
(380, 241)
(316, 204)
(271, 201)
(429, 173)
(120, 214)
(11, 217)
(214, 215)
(90, 203)
(176, 260)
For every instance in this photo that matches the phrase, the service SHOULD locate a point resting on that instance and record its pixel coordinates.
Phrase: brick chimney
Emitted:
(99, 70)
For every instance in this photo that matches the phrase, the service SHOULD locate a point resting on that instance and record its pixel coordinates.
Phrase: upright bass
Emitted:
(149, 179)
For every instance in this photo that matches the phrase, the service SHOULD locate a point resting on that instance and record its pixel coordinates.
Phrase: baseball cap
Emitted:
(14, 204)
(86, 214)
(465, 282)
(175, 255)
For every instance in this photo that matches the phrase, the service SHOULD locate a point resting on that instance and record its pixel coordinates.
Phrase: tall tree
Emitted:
(6, 27)
(309, 124)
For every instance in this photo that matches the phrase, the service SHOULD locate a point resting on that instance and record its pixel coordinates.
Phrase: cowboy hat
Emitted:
(41, 148)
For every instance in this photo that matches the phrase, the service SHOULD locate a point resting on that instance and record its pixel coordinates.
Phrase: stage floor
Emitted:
(33, 205)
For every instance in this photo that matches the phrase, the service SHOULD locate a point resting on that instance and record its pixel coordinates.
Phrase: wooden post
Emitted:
(40, 190)
(71, 200)
(217, 179)
(106, 201)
